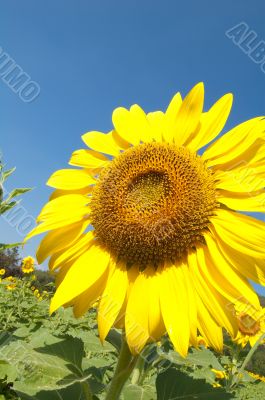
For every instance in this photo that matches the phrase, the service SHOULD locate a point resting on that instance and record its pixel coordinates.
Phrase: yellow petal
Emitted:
(112, 300)
(253, 269)
(136, 317)
(59, 192)
(174, 306)
(84, 272)
(192, 304)
(252, 202)
(212, 122)
(231, 227)
(104, 143)
(72, 252)
(123, 144)
(156, 324)
(189, 115)
(70, 179)
(60, 212)
(75, 204)
(248, 178)
(208, 327)
(58, 239)
(215, 303)
(140, 123)
(87, 299)
(156, 120)
(88, 159)
(228, 281)
(59, 275)
(233, 147)
(123, 123)
(170, 117)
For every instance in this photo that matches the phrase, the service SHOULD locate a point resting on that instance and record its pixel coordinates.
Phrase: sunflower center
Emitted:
(153, 203)
(146, 192)
(248, 325)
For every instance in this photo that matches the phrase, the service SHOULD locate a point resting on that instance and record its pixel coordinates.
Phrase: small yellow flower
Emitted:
(2, 271)
(28, 265)
(202, 341)
(12, 282)
(256, 376)
(215, 384)
(10, 278)
(12, 286)
(40, 298)
(219, 374)
(36, 292)
(32, 288)
(251, 325)
(33, 277)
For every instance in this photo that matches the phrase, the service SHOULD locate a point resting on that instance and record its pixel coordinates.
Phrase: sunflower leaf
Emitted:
(200, 357)
(135, 392)
(173, 385)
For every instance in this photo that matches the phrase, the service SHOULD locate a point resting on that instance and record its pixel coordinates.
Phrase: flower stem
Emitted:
(87, 391)
(125, 365)
(247, 359)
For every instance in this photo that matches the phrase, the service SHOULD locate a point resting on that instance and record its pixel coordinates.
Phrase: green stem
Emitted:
(248, 358)
(125, 365)
(86, 390)
(137, 371)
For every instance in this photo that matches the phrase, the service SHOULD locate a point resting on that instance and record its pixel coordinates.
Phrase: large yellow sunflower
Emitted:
(151, 229)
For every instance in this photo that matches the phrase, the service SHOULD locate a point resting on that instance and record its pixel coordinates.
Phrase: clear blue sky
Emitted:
(91, 56)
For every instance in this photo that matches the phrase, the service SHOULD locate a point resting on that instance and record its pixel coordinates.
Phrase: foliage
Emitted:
(8, 199)
(58, 357)
(43, 278)
(257, 363)
(10, 260)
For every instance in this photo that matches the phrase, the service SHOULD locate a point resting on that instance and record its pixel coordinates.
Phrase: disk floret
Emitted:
(153, 203)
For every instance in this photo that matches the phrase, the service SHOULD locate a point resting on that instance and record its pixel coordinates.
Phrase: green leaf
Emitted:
(7, 371)
(7, 173)
(203, 373)
(93, 344)
(17, 192)
(73, 392)
(8, 246)
(4, 207)
(252, 391)
(173, 385)
(51, 367)
(135, 392)
(201, 357)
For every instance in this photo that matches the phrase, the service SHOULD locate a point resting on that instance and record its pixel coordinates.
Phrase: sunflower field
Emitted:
(60, 357)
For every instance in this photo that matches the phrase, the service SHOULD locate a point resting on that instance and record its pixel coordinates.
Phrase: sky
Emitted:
(90, 57)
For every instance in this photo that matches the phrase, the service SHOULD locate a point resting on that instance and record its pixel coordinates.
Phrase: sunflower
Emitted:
(28, 265)
(251, 326)
(11, 282)
(149, 225)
